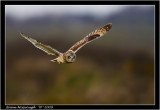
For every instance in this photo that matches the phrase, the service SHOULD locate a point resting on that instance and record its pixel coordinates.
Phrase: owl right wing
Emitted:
(92, 36)
(41, 46)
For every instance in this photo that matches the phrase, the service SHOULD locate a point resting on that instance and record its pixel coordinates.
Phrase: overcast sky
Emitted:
(27, 11)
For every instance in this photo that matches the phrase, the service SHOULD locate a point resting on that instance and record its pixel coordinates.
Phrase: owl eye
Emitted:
(69, 57)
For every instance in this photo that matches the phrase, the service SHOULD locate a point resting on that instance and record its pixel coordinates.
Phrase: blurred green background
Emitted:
(115, 69)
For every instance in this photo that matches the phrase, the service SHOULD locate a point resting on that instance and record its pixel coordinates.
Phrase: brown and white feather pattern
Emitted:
(92, 36)
(69, 56)
(46, 48)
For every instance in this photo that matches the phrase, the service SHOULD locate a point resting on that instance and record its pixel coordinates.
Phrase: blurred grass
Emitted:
(38, 81)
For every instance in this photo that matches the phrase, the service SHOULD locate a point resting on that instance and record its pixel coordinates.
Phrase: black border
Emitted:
(156, 3)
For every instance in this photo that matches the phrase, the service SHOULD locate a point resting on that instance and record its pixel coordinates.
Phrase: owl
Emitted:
(70, 55)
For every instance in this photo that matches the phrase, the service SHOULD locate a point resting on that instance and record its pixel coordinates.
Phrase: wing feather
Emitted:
(41, 46)
(92, 36)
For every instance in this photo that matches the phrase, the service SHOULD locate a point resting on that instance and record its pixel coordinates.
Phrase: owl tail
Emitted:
(54, 60)
(59, 60)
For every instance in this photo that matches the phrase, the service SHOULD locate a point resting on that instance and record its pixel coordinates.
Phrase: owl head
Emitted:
(108, 26)
(69, 56)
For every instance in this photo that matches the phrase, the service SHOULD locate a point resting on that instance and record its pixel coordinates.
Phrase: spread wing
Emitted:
(92, 36)
(41, 46)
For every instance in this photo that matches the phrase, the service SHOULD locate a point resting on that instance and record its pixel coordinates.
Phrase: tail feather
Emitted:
(54, 60)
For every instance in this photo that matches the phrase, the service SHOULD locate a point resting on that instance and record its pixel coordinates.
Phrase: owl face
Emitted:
(70, 56)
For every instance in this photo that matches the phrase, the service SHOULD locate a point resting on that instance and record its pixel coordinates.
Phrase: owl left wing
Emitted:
(46, 48)
(92, 36)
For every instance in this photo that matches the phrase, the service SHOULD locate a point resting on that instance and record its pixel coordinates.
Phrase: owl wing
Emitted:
(41, 46)
(92, 36)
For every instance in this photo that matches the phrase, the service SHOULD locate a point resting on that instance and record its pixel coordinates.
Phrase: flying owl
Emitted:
(70, 55)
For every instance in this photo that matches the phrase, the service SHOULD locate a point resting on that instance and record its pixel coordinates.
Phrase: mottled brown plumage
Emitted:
(70, 55)
(78, 45)
(92, 36)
